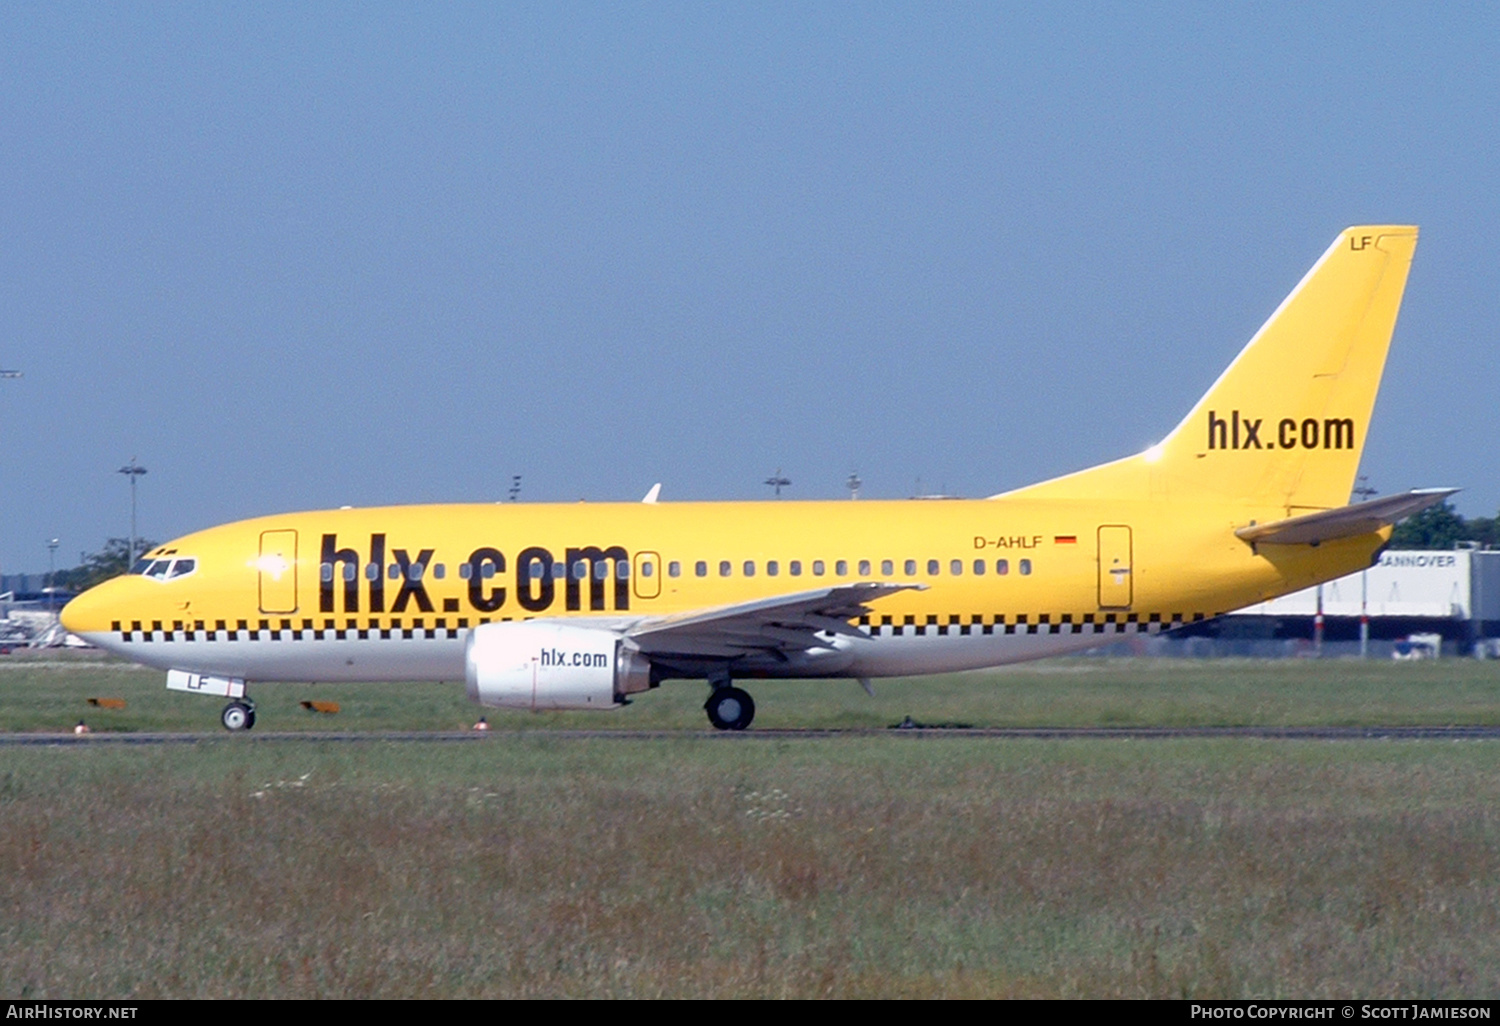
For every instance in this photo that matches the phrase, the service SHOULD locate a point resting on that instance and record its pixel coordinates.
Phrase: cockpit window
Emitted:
(164, 569)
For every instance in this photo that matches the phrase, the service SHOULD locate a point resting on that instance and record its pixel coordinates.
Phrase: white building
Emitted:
(1403, 584)
(1454, 594)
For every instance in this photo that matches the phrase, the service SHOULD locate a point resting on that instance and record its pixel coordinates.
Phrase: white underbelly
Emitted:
(438, 655)
(307, 658)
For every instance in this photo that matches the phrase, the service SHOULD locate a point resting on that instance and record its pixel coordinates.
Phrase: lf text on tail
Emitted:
(539, 606)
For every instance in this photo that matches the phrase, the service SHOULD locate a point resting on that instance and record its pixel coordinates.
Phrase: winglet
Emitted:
(653, 494)
(1345, 522)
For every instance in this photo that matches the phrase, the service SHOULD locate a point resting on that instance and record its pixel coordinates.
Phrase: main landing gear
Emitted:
(729, 708)
(238, 716)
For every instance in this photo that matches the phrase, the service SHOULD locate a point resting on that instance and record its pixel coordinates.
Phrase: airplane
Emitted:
(585, 606)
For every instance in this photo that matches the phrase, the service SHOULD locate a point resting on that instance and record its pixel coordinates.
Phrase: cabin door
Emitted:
(278, 571)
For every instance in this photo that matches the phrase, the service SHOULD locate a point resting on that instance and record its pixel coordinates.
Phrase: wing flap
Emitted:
(1344, 522)
(779, 624)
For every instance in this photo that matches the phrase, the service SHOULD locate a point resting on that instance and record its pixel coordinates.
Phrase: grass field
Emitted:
(48, 692)
(529, 865)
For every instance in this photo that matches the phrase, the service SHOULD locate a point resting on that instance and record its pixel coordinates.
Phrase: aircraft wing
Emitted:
(1345, 522)
(784, 623)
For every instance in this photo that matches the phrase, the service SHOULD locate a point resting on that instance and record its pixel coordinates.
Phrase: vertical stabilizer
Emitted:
(1286, 422)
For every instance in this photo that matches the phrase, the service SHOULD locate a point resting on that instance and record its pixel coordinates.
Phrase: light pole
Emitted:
(1364, 614)
(9, 374)
(1318, 627)
(51, 573)
(131, 470)
(1362, 492)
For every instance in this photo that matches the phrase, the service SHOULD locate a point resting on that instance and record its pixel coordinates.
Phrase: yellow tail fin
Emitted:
(1286, 422)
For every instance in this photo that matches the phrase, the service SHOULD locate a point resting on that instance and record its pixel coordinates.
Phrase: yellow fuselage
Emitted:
(1004, 579)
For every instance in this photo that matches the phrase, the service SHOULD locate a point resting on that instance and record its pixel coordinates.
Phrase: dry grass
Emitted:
(854, 867)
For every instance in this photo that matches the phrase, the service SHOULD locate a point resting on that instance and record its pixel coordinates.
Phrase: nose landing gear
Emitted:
(238, 716)
(729, 708)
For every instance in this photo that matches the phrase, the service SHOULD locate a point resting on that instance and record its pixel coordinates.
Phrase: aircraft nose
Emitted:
(89, 612)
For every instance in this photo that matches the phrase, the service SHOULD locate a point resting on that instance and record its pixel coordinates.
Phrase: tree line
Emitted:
(98, 567)
(1440, 527)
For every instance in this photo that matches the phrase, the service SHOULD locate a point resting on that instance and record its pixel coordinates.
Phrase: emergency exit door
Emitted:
(278, 571)
(647, 575)
(1115, 586)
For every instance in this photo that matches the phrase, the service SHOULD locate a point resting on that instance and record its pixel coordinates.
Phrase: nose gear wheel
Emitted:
(238, 716)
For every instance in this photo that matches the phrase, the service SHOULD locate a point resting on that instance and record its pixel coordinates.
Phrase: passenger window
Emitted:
(559, 571)
(700, 568)
(393, 571)
(646, 568)
(489, 570)
(464, 569)
(979, 567)
(414, 572)
(372, 571)
(439, 571)
(1002, 567)
(956, 568)
(842, 568)
(910, 567)
(772, 568)
(725, 568)
(1025, 567)
(817, 568)
(933, 568)
(350, 571)
(674, 569)
(887, 567)
(601, 570)
(795, 567)
(622, 570)
(749, 568)
(325, 573)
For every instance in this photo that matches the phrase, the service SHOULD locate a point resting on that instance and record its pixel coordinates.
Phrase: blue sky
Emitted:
(311, 255)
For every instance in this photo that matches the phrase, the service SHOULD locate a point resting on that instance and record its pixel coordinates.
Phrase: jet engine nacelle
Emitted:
(539, 665)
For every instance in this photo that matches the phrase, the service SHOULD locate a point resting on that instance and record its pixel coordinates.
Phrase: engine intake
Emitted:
(548, 665)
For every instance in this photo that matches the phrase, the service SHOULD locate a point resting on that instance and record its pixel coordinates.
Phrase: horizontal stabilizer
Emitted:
(1345, 522)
